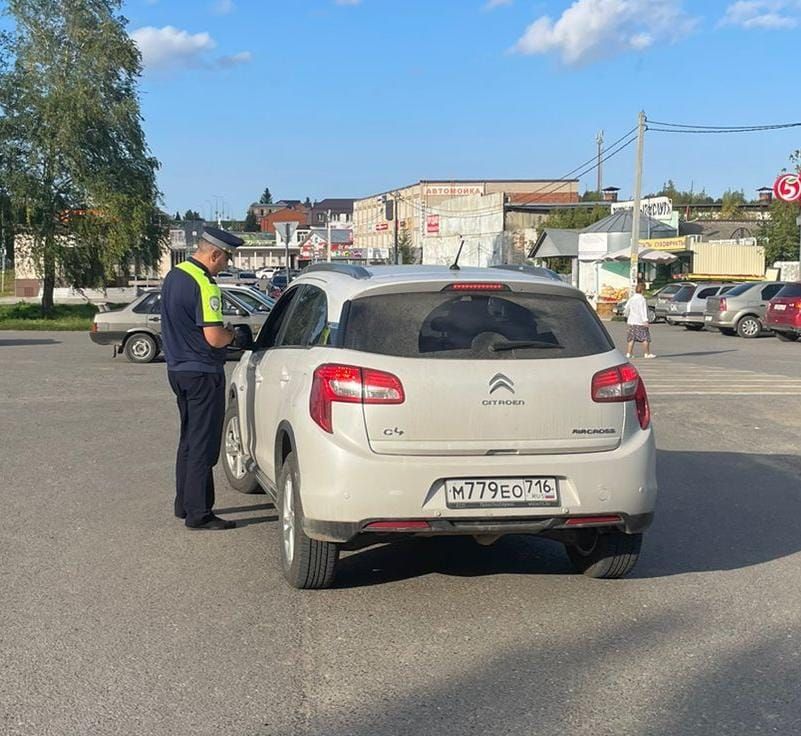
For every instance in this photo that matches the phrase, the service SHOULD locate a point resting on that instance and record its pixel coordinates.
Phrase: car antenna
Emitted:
(455, 264)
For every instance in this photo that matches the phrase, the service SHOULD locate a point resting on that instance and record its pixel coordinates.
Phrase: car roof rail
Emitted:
(346, 269)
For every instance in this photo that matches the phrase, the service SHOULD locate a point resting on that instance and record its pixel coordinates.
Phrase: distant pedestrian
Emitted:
(636, 313)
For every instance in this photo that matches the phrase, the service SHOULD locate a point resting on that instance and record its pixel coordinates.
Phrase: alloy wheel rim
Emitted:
(288, 519)
(750, 327)
(233, 450)
(141, 349)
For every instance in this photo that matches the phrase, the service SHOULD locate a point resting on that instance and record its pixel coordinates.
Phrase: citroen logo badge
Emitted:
(499, 381)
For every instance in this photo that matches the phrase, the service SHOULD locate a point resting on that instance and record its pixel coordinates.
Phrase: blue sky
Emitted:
(351, 97)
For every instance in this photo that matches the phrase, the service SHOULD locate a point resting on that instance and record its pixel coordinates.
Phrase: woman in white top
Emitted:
(637, 318)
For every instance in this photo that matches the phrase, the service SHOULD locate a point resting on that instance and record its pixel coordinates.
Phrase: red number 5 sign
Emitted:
(788, 188)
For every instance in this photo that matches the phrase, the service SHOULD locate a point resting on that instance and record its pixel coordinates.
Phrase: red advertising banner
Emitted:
(432, 223)
(382, 226)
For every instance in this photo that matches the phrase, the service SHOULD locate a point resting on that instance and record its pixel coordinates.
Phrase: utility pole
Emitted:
(395, 217)
(599, 139)
(635, 215)
(328, 237)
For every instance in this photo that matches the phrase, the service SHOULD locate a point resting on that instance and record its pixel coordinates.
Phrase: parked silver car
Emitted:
(382, 402)
(657, 302)
(742, 310)
(135, 330)
(688, 305)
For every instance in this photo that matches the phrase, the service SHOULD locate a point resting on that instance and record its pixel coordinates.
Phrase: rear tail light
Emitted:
(722, 304)
(622, 383)
(349, 384)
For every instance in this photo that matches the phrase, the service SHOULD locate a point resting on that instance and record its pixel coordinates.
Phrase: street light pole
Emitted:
(328, 237)
(798, 222)
(635, 215)
(395, 217)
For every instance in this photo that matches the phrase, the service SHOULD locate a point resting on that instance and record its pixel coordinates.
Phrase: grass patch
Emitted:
(8, 287)
(24, 316)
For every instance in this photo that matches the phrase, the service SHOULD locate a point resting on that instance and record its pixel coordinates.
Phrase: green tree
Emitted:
(779, 234)
(308, 203)
(266, 197)
(405, 250)
(177, 217)
(192, 215)
(72, 148)
(252, 223)
(574, 218)
(731, 202)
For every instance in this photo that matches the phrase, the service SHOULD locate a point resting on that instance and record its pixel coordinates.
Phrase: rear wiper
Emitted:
(496, 347)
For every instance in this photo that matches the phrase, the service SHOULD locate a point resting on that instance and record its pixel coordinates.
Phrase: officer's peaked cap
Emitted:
(221, 238)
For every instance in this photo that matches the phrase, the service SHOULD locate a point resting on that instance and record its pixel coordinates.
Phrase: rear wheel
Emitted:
(651, 314)
(236, 463)
(787, 336)
(604, 554)
(307, 563)
(141, 348)
(727, 331)
(749, 326)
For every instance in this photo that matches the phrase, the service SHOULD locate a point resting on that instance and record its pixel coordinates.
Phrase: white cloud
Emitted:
(593, 29)
(763, 14)
(492, 4)
(169, 49)
(223, 7)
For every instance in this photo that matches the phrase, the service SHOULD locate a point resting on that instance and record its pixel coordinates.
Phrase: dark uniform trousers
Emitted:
(201, 404)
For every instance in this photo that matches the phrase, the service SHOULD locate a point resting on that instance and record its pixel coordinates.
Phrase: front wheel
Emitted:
(235, 461)
(694, 327)
(141, 348)
(749, 326)
(787, 336)
(608, 555)
(307, 563)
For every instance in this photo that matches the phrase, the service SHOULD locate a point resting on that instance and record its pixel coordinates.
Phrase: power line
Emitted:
(687, 128)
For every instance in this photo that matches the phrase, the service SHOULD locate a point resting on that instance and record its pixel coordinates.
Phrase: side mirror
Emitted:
(243, 338)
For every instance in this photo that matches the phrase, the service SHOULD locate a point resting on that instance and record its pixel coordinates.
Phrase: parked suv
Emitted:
(741, 310)
(784, 313)
(688, 305)
(417, 400)
(135, 330)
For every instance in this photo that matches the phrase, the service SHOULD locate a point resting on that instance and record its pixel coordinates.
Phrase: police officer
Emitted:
(195, 341)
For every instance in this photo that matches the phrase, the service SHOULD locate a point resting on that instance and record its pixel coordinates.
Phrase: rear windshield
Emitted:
(475, 326)
(684, 294)
(790, 290)
(739, 289)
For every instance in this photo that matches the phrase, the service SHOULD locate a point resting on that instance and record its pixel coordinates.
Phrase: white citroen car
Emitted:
(388, 401)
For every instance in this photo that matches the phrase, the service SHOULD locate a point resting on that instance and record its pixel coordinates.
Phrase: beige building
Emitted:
(433, 215)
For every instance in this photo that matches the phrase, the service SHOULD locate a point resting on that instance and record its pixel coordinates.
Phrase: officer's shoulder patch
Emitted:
(214, 303)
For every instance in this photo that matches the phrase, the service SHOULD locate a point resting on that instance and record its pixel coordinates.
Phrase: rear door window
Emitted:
(770, 291)
(707, 292)
(790, 290)
(740, 289)
(307, 324)
(684, 294)
(150, 304)
(474, 326)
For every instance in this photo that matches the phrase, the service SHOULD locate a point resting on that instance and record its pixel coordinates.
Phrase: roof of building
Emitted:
(622, 220)
(556, 243)
(333, 203)
(472, 181)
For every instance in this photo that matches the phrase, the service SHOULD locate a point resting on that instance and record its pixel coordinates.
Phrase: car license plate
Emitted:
(477, 493)
(708, 317)
(780, 307)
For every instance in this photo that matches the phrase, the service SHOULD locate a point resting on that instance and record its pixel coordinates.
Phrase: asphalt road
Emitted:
(115, 620)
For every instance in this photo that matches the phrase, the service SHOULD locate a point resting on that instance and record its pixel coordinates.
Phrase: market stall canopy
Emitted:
(555, 243)
(648, 255)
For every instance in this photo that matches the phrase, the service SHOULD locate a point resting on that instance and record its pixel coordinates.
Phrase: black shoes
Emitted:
(213, 523)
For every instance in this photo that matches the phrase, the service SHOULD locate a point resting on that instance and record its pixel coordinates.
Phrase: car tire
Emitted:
(787, 336)
(694, 327)
(238, 471)
(308, 564)
(651, 314)
(728, 331)
(141, 348)
(749, 327)
(606, 555)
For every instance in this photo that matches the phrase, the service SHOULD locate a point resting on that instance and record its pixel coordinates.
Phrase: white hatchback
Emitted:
(386, 401)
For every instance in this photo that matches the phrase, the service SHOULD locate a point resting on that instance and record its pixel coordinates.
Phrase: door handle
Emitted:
(154, 319)
(284, 376)
(258, 380)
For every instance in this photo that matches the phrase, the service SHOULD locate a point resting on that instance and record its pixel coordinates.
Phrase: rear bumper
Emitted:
(107, 338)
(343, 489)
(784, 327)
